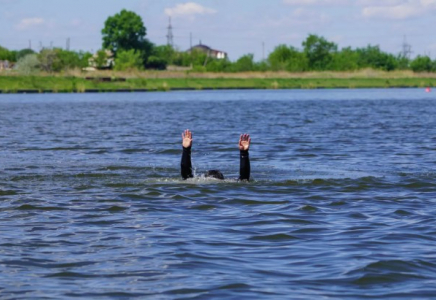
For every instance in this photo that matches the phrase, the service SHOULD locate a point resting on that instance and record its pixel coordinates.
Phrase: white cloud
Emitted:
(309, 16)
(76, 22)
(315, 2)
(395, 12)
(397, 9)
(188, 9)
(429, 3)
(30, 22)
(385, 2)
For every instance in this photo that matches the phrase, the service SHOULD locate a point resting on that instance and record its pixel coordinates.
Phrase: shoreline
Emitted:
(113, 82)
(93, 91)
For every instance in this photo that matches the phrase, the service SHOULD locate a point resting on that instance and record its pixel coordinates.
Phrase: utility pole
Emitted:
(170, 36)
(263, 51)
(407, 48)
(190, 48)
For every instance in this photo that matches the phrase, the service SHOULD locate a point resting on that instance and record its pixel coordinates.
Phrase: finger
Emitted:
(183, 135)
(190, 134)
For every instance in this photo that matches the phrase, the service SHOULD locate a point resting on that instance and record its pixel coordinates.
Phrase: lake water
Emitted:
(342, 203)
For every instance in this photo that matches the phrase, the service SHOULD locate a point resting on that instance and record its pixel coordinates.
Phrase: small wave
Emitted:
(274, 237)
(68, 274)
(203, 207)
(135, 150)
(8, 192)
(309, 208)
(34, 207)
(391, 271)
(256, 202)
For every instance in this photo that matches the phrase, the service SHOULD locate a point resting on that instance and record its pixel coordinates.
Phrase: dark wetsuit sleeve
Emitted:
(244, 166)
(186, 165)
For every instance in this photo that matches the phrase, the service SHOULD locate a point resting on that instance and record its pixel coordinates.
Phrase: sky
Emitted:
(237, 27)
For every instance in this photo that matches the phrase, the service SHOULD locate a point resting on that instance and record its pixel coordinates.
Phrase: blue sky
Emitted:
(235, 26)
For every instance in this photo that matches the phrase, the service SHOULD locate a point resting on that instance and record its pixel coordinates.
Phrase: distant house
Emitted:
(106, 62)
(209, 51)
(5, 65)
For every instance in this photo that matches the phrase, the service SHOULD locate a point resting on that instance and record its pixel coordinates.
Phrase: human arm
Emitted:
(244, 164)
(186, 166)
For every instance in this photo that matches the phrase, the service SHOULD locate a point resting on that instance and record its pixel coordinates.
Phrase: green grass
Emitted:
(12, 84)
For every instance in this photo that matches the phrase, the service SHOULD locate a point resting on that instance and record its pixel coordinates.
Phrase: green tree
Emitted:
(49, 61)
(403, 62)
(101, 60)
(128, 60)
(297, 61)
(22, 53)
(165, 52)
(261, 66)
(124, 31)
(197, 58)
(345, 60)
(287, 58)
(373, 57)
(67, 60)
(84, 59)
(278, 59)
(319, 52)
(245, 63)
(422, 64)
(8, 55)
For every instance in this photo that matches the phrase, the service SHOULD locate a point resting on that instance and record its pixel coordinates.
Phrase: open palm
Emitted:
(187, 138)
(244, 142)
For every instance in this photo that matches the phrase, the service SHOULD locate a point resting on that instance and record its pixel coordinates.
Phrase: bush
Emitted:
(288, 58)
(128, 60)
(244, 64)
(156, 63)
(68, 60)
(219, 65)
(422, 64)
(29, 64)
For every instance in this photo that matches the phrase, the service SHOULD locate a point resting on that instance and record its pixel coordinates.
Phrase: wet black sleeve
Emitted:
(244, 165)
(186, 165)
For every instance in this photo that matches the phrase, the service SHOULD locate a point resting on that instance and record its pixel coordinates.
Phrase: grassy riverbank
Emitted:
(165, 81)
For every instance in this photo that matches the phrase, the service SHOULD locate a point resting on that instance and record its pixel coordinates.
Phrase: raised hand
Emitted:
(187, 138)
(244, 142)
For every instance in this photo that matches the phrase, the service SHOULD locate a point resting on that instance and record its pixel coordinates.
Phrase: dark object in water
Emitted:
(214, 174)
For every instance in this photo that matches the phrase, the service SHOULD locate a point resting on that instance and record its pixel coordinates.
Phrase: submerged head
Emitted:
(214, 174)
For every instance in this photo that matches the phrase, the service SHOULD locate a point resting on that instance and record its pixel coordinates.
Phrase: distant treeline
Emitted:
(125, 47)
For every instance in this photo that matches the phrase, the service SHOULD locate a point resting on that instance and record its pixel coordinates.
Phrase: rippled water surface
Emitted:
(341, 205)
